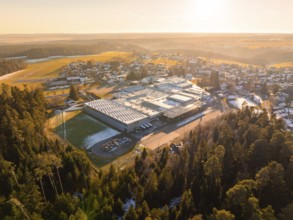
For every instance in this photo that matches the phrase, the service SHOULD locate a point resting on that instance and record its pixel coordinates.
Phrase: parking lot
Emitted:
(141, 133)
(115, 146)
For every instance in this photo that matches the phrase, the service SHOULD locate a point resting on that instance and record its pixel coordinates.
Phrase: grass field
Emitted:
(57, 120)
(164, 61)
(36, 73)
(222, 61)
(82, 130)
(267, 44)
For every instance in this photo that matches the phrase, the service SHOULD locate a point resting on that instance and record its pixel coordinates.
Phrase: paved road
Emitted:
(168, 134)
(173, 131)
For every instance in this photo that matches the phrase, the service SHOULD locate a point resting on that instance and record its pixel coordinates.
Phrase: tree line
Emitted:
(40, 178)
(46, 50)
(9, 66)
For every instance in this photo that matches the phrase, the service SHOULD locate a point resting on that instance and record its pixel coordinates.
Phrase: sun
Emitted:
(207, 9)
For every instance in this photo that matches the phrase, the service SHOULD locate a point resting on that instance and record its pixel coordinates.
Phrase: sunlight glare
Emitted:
(209, 9)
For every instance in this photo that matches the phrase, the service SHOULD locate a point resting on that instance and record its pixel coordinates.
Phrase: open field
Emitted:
(282, 65)
(56, 92)
(83, 131)
(258, 49)
(87, 87)
(37, 73)
(267, 44)
(166, 62)
(57, 120)
(223, 61)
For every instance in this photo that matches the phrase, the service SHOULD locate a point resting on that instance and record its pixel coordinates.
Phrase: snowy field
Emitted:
(238, 102)
(99, 136)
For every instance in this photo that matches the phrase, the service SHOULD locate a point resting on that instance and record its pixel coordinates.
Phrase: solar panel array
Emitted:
(116, 111)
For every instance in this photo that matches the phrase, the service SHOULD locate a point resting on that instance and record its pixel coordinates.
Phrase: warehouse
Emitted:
(116, 115)
(181, 98)
(182, 111)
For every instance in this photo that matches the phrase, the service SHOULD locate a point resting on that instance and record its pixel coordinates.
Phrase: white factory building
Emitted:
(123, 118)
(171, 98)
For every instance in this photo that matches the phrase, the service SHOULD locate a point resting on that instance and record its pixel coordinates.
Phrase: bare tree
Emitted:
(39, 173)
(57, 163)
(12, 171)
(80, 157)
(17, 203)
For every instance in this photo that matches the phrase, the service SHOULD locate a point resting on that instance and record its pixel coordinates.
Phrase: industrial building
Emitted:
(171, 98)
(121, 117)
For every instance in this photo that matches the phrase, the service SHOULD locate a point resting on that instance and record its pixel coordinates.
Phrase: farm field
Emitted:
(36, 73)
(266, 44)
(164, 61)
(222, 61)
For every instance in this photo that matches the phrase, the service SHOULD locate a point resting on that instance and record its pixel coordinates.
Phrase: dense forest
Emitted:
(39, 178)
(9, 66)
(239, 166)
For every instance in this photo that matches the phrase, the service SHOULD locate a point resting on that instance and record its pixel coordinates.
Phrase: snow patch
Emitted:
(98, 137)
(128, 204)
(190, 119)
(238, 102)
(174, 202)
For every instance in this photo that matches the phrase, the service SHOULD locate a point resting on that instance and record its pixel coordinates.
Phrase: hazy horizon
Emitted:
(129, 16)
(114, 33)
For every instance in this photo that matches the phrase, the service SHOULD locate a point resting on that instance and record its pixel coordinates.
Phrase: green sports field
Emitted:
(83, 130)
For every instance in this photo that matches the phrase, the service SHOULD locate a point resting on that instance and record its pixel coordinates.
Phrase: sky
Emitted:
(131, 16)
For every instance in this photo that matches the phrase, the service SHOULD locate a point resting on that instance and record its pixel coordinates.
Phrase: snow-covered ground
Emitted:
(194, 117)
(174, 202)
(289, 123)
(74, 108)
(284, 114)
(190, 119)
(127, 204)
(98, 137)
(284, 111)
(238, 102)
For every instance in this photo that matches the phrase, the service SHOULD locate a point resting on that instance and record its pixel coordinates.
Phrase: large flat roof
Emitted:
(180, 98)
(181, 110)
(116, 111)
